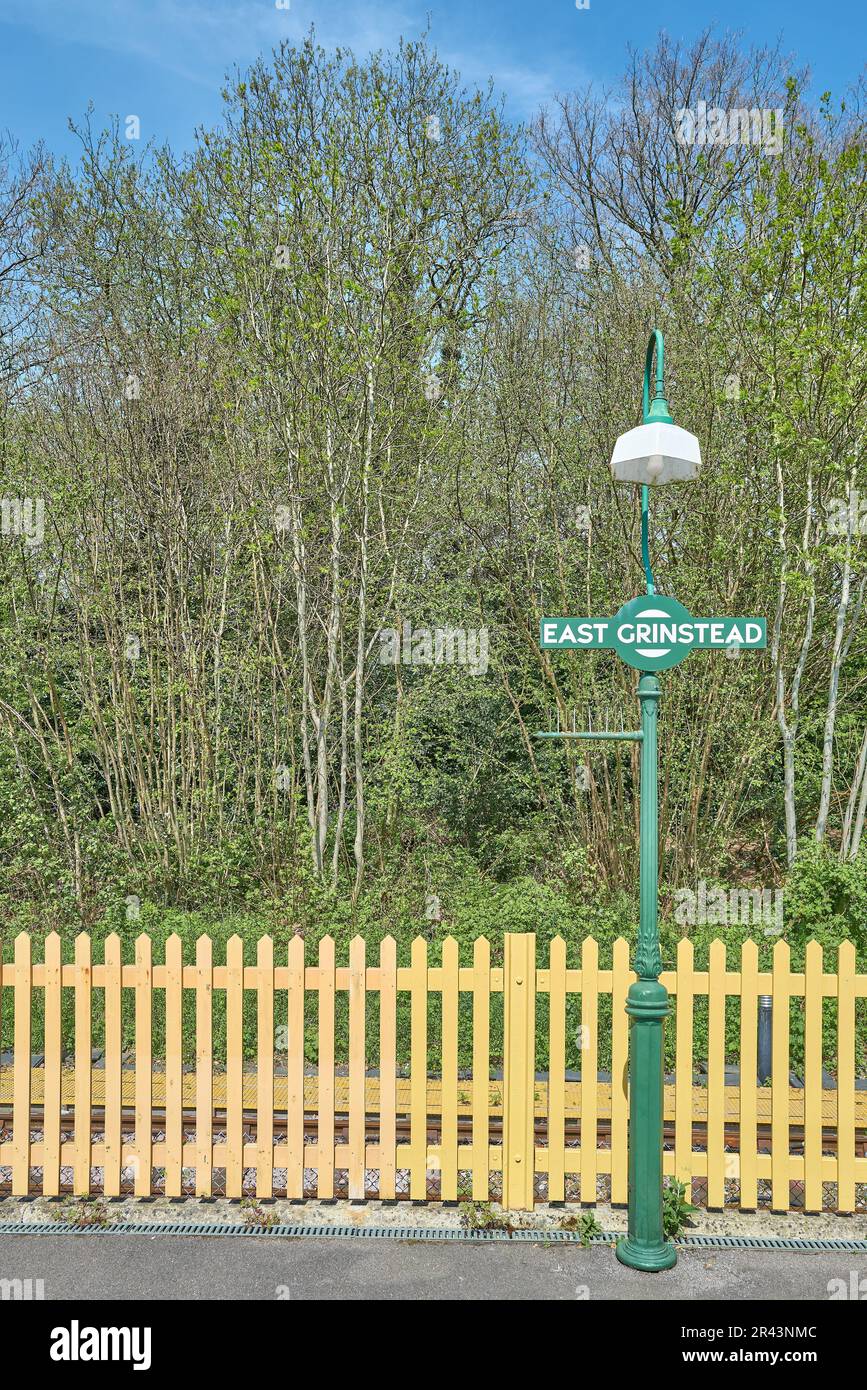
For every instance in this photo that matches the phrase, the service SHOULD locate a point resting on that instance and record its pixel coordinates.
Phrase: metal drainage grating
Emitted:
(774, 1243)
(413, 1233)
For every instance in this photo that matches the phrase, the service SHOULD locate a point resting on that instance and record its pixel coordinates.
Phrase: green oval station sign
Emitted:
(653, 633)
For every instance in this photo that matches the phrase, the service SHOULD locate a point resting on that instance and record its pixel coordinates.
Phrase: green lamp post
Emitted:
(650, 633)
(655, 453)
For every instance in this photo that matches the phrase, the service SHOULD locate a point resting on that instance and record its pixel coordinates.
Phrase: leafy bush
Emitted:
(443, 892)
(676, 1210)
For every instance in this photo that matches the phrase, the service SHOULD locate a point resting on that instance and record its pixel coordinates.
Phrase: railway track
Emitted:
(464, 1127)
(403, 1134)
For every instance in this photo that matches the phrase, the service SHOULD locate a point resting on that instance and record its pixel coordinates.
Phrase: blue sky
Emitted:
(164, 60)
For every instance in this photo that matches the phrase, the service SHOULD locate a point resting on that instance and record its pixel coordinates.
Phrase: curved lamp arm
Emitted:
(654, 341)
(655, 410)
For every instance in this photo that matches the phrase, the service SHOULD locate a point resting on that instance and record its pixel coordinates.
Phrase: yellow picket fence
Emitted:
(155, 1126)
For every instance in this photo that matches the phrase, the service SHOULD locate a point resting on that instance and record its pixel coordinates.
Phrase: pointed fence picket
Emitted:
(557, 1071)
(204, 1067)
(749, 1070)
(295, 1070)
(716, 1024)
(265, 1068)
(21, 1078)
(83, 1077)
(683, 1097)
(234, 1159)
(174, 1130)
(418, 1072)
(143, 1067)
(449, 995)
(780, 1081)
(53, 1058)
(351, 1122)
(387, 1069)
(112, 1063)
(621, 977)
(357, 1068)
(813, 1077)
(481, 1142)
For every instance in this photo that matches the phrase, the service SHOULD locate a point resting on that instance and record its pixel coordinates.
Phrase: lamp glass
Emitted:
(655, 454)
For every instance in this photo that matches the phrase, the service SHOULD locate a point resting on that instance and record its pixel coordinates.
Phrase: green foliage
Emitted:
(469, 904)
(480, 1216)
(826, 899)
(197, 731)
(676, 1210)
(82, 1211)
(584, 1224)
(253, 1214)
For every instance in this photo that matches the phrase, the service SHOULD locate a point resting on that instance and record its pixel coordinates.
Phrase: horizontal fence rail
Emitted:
(323, 1106)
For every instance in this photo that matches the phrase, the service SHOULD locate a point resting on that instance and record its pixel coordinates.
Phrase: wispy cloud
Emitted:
(526, 88)
(194, 40)
(197, 41)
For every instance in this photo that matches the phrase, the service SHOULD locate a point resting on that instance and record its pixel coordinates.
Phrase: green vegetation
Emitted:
(829, 893)
(253, 1214)
(480, 1216)
(82, 1211)
(676, 1210)
(335, 378)
(584, 1224)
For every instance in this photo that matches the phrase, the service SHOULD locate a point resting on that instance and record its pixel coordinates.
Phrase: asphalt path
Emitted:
(132, 1267)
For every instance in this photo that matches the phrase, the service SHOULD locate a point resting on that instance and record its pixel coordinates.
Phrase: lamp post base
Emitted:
(645, 1247)
(648, 1258)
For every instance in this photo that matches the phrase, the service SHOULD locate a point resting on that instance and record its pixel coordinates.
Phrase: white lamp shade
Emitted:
(655, 454)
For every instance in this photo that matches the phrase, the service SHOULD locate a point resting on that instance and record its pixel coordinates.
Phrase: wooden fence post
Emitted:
(144, 1004)
(21, 1076)
(174, 1045)
(846, 1076)
(204, 1066)
(112, 1065)
(519, 1082)
(357, 1068)
(53, 1057)
(481, 1091)
(780, 1135)
(83, 1064)
(234, 1067)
